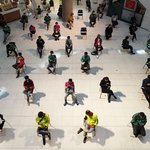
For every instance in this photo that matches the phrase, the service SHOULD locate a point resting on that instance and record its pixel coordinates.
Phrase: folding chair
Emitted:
(83, 32)
(80, 13)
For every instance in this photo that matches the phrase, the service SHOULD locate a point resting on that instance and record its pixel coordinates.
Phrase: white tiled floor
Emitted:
(124, 70)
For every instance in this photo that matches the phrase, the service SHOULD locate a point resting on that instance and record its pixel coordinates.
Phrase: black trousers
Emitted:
(129, 47)
(2, 124)
(109, 92)
(146, 94)
(137, 129)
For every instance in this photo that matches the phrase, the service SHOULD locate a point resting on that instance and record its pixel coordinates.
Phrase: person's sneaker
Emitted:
(84, 140)
(77, 103)
(133, 53)
(80, 130)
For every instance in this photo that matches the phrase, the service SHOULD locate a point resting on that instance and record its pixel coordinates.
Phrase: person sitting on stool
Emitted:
(125, 45)
(138, 122)
(52, 62)
(105, 87)
(56, 33)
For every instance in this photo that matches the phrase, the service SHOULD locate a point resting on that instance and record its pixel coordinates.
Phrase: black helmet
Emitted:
(26, 77)
(20, 54)
(40, 114)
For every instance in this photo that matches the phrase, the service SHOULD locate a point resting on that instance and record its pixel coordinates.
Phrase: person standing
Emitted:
(43, 121)
(132, 29)
(90, 123)
(146, 89)
(114, 20)
(70, 90)
(68, 46)
(40, 45)
(105, 85)
(125, 45)
(70, 21)
(92, 18)
(1, 122)
(7, 31)
(32, 30)
(99, 12)
(47, 20)
(88, 5)
(138, 122)
(24, 20)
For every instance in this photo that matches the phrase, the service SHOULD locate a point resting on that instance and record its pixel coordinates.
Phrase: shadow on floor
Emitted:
(81, 97)
(56, 135)
(87, 24)
(36, 97)
(60, 52)
(3, 92)
(102, 134)
(26, 36)
(33, 52)
(78, 36)
(41, 26)
(49, 36)
(94, 70)
(145, 139)
(7, 134)
(29, 69)
(59, 70)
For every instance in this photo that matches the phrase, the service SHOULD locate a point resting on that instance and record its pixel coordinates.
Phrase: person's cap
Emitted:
(51, 52)
(26, 77)
(40, 114)
(70, 80)
(20, 54)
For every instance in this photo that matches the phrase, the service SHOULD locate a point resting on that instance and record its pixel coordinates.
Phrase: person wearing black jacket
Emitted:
(2, 122)
(132, 30)
(40, 44)
(146, 89)
(125, 45)
(105, 85)
(24, 20)
(108, 32)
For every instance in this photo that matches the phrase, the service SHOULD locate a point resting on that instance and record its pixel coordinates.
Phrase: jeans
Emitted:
(68, 50)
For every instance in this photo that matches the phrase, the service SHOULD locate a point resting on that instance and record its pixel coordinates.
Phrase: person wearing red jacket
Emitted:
(70, 90)
(97, 45)
(56, 33)
(28, 85)
(19, 64)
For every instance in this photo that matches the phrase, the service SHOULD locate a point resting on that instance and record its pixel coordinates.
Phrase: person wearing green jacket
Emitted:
(138, 122)
(47, 20)
(52, 62)
(90, 123)
(85, 62)
(148, 44)
(43, 121)
(7, 31)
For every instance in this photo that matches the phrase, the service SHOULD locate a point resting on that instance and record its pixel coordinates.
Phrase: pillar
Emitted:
(67, 9)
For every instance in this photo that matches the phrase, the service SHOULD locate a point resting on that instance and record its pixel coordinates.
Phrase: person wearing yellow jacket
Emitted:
(43, 121)
(90, 122)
